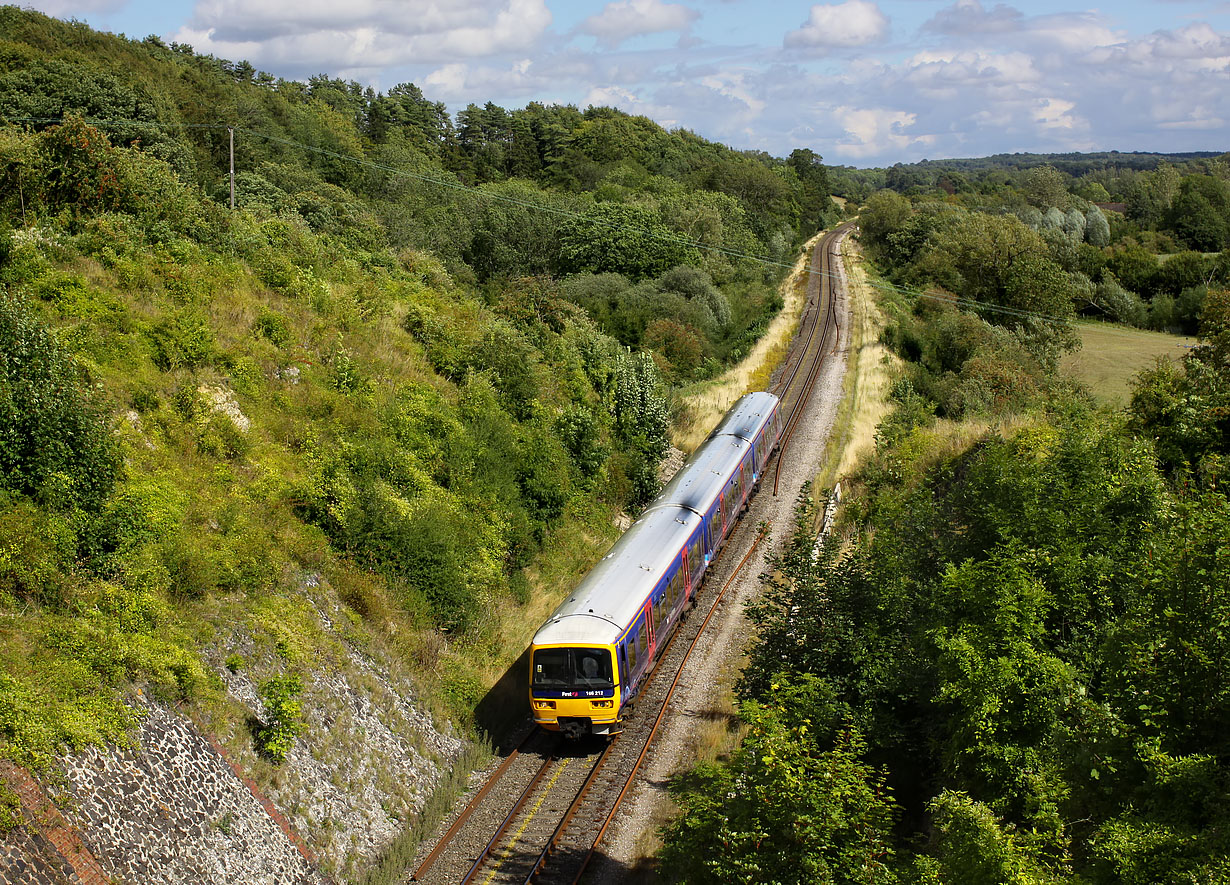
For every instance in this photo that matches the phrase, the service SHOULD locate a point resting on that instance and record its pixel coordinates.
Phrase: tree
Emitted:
(1074, 225)
(787, 809)
(1097, 228)
(1045, 186)
(1000, 263)
(886, 211)
(1200, 214)
(54, 441)
(620, 238)
(1151, 194)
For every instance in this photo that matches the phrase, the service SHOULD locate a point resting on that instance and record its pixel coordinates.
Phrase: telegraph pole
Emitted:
(231, 131)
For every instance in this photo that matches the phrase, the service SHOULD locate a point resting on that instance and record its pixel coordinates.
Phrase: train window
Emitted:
(593, 668)
(572, 668)
(551, 667)
(657, 614)
(631, 647)
(642, 638)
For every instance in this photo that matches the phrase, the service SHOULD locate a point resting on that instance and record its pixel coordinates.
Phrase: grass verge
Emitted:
(868, 373)
(401, 852)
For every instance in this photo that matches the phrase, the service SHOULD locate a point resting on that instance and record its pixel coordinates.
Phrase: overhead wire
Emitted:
(479, 193)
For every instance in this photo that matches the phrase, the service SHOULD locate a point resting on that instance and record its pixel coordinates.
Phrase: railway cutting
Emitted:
(559, 810)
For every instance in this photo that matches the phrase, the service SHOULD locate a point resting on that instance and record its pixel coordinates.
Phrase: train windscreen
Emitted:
(572, 669)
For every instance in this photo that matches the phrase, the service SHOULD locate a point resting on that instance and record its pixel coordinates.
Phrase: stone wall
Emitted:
(182, 805)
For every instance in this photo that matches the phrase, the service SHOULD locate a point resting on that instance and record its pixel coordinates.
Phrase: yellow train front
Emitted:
(574, 689)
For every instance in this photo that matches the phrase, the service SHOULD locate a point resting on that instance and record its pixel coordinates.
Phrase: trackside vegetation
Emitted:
(1006, 664)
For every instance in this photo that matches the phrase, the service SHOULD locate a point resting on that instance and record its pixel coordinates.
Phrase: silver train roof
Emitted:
(696, 485)
(609, 596)
(746, 416)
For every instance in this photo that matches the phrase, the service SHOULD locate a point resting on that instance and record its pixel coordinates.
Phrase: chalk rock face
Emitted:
(223, 402)
(171, 809)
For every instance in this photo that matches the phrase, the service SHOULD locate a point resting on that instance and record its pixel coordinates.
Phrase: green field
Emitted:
(1111, 356)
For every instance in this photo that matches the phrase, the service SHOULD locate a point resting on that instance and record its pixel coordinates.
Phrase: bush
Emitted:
(284, 716)
(185, 341)
(54, 441)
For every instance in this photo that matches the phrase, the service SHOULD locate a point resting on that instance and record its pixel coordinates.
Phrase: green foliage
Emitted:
(283, 716)
(1187, 410)
(1026, 630)
(617, 238)
(54, 443)
(273, 328)
(975, 847)
(184, 340)
(785, 809)
(10, 811)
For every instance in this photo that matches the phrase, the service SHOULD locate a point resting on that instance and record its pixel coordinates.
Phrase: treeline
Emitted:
(1144, 212)
(1108, 262)
(1007, 664)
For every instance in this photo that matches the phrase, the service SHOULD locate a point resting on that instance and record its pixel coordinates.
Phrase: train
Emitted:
(589, 660)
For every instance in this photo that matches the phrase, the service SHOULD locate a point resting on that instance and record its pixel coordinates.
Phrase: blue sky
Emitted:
(859, 81)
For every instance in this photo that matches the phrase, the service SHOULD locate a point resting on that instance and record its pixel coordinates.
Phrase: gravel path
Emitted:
(716, 662)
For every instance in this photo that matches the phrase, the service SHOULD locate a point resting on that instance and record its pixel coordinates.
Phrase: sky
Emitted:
(861, 82)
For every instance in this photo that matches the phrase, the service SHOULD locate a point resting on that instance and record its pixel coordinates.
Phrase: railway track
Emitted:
(541, 815)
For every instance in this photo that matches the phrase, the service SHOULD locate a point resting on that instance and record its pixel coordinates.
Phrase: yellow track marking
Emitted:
(525, 823)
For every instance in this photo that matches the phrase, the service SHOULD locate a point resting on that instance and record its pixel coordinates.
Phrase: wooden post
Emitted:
(231, 132)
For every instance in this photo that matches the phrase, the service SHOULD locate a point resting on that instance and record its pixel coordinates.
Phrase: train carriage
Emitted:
(589, 660)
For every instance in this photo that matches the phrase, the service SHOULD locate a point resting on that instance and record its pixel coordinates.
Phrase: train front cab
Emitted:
(575, 689)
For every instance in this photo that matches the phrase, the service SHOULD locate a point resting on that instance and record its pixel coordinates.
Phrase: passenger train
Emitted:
(590, 659)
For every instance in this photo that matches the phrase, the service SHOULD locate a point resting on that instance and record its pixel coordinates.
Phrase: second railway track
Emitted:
(542, 812)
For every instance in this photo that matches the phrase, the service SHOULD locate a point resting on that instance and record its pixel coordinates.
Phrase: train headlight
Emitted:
(545, 705)
(602, 703)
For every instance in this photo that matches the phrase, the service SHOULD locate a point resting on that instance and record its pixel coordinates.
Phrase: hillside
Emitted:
(310, 471)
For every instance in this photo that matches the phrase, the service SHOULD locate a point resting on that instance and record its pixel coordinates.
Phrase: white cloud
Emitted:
(316, 35)
(624, 19)
(1074, 32)
(965, 71)
(853, 23)
(1055, 113)
(877, 131)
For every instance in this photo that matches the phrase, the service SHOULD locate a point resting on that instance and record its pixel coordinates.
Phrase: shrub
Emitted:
(184, 341)
(284, 716)
(80, 168)
(34, 549)
(272, 326)
(54, 442)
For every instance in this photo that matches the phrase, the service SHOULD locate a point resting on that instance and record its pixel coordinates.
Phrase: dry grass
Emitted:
(1111, 356)
(707, 402)
(869, 366)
